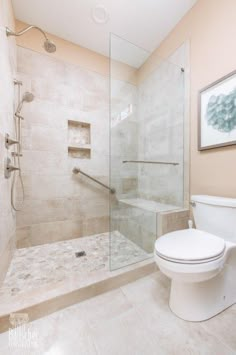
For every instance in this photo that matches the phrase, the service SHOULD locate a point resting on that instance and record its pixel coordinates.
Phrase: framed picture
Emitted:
(217, 114)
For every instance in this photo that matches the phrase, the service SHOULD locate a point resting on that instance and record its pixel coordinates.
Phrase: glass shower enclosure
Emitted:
(146, 149)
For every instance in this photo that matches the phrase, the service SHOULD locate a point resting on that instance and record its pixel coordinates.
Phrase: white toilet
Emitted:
(201, 263)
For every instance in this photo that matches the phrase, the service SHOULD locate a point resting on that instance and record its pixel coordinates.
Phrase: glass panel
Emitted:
(146, 150)
(161, 135)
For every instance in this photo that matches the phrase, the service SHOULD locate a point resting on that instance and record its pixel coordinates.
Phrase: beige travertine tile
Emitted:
(175, 336)
(129, 184)
(223, 327)
(55, 231)
(23, 237)
(103, 307)
(57, 201)
(55, 337)
(135, 322)
(125, 334)
(157, 295)
(37, 305)
(43, 211)
(6, 257)
(7, 73)
(172, 221)
(95, 225)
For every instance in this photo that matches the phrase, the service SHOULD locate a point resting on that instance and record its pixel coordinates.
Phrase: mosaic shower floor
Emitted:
(47, 264)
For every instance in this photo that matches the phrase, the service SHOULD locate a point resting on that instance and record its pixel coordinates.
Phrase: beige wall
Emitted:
(7, 73)
(75, 54)
(211, 28)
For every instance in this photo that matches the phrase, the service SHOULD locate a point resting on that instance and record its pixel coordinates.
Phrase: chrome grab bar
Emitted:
(150, 162)
(79, 171)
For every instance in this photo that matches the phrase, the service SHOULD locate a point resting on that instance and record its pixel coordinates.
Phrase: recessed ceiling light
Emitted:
(100, 14)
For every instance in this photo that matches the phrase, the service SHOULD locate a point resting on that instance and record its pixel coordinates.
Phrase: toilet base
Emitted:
(199, 301)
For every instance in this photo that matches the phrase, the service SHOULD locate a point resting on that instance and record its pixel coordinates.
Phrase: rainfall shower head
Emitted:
(27, 97)
(48, 45)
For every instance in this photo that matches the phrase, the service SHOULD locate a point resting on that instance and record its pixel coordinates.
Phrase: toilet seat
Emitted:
(190, 246)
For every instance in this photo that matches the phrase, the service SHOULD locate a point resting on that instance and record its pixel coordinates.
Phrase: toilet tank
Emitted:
(215, 215)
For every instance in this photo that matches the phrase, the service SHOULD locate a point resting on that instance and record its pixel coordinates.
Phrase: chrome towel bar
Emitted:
(79, 171)
(150, 162)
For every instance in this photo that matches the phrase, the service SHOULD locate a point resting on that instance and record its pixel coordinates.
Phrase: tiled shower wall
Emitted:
(164, 130)
(155, 131)
(59, 205)
(124, 138)
(161, 135)
(7, 73)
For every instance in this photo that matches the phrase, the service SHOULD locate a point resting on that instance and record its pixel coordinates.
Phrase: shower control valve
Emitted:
(9, 168)
(9, 141)
(14, 154)
(17, 82)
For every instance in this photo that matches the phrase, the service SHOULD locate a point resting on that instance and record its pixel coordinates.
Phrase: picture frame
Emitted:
(217, 114)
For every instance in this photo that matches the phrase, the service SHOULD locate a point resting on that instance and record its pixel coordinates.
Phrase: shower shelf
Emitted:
(78, 146)
(79, 139)
(81, 152)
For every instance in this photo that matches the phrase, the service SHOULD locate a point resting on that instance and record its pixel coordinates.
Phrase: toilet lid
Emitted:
(189, 245)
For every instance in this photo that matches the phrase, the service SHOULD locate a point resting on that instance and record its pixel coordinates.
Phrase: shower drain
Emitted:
(78, 254)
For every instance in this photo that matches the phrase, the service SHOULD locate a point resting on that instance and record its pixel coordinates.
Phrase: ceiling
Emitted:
(89, 22)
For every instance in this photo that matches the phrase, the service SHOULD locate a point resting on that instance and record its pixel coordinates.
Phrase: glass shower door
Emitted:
(146, 150)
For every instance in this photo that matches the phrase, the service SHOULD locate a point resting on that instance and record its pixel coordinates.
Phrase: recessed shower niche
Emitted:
(79, 139)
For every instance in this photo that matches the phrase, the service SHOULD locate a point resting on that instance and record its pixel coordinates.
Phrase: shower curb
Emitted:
(54, 304)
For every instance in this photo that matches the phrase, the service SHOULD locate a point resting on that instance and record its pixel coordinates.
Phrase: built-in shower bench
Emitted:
(145, 220)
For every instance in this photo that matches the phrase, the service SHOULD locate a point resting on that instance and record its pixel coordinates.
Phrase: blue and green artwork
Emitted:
(221, 112)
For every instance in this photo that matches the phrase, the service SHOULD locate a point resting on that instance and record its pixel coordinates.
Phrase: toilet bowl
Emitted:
(201, 264)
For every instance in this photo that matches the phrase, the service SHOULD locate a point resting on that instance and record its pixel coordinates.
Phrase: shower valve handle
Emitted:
(9, 168)
(14, 154)
(9, 141)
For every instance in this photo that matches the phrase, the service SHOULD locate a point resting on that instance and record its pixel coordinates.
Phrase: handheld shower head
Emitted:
(49, 46)
(27, 97)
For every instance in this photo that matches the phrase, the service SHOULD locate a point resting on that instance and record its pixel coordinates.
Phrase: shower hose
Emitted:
(17, 154)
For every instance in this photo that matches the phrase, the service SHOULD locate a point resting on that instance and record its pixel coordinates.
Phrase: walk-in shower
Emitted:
(61, 147)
